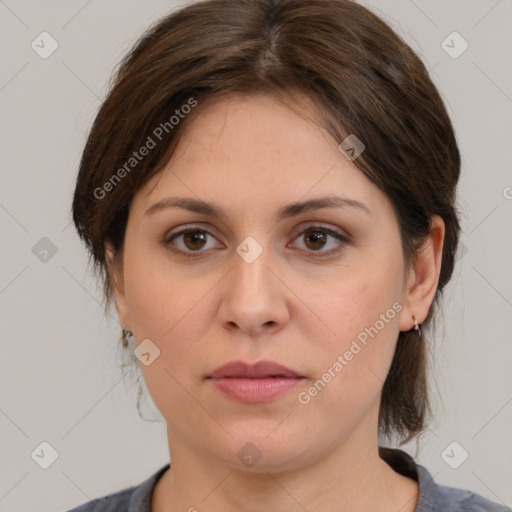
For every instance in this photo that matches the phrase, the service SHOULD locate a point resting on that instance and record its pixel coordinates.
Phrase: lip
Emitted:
(257, 370)
(254, 383)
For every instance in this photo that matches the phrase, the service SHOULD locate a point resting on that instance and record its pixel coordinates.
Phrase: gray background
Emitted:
(60, 376)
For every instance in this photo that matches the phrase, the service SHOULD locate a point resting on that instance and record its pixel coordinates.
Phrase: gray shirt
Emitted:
(432, 497)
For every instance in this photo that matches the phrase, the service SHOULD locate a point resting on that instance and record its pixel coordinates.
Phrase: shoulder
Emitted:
(454, 500)
(434, 497)
(131, 499)
(441, 498)
(115, 502)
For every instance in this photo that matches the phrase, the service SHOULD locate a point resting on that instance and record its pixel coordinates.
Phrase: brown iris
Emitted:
(194, 239)
(317, 238)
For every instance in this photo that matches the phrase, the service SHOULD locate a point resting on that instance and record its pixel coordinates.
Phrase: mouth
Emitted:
(260, 370)
(254, 383)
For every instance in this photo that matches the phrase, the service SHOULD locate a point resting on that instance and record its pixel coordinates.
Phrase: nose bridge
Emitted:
(251, 277)
(252, 298)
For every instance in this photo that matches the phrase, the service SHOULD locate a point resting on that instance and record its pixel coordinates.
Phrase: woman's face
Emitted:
(317, 290)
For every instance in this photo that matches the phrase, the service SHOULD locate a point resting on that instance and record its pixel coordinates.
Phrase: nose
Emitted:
(254, 299)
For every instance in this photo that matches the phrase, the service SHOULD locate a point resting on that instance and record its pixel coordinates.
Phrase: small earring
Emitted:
(416, 325)
(126, 336)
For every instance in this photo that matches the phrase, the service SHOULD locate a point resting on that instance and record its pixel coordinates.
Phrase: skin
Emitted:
(252, 155)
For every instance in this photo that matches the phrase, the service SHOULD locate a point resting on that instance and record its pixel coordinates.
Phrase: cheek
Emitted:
(167, 309)
(363, 313)
(358, 300)
(173, 309)
(157, 294)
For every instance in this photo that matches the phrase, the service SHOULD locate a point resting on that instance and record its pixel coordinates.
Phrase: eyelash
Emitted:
(343, 239)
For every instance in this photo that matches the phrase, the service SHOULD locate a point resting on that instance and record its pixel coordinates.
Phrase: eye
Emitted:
(317, 241)
(189, 241)
(321, 240)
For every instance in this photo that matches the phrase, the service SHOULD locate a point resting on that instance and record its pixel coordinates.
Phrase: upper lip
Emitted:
(257, 370)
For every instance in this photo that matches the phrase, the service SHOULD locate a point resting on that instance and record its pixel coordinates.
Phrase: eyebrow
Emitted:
(287, 211)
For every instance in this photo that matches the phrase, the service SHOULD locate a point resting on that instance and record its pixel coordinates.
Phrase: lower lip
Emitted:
(255, 391)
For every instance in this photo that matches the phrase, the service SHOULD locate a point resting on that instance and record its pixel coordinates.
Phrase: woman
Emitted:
(268, 191)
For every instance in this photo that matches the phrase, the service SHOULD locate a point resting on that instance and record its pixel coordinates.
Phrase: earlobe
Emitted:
(423, 277)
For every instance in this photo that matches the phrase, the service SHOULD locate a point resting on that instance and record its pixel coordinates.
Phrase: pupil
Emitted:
(191, 240)
(318, 239)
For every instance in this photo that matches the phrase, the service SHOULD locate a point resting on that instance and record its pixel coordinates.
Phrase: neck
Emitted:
(347, 479)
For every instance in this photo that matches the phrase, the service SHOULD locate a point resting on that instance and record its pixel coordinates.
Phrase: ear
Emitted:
(423, 277)
(115, 273)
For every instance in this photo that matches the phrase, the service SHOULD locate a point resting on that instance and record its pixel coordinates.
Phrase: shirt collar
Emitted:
(140, 500)
(403, 463)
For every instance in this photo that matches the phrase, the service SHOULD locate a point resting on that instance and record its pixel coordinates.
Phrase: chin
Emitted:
(258, 452)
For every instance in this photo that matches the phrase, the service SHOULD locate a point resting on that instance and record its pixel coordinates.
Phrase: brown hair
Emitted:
(362, 78)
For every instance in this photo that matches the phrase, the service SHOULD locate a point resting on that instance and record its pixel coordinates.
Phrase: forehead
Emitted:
(257, 150)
